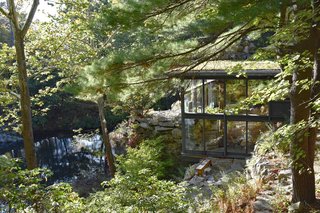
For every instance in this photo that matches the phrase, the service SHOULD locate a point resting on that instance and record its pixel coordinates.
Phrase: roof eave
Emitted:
(223, 74)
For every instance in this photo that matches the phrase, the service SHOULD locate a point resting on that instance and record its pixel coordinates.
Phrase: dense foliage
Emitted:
(183, 34)
(123, 51)
(25, 190)
(137, 186)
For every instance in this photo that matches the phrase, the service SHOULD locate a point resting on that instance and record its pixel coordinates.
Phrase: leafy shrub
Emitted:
(61, 198)
(150, 155)
(137, 186)
(280, 139)
(25, 190)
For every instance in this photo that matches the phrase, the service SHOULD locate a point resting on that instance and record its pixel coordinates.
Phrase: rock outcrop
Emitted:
(166, 123)
(272, 168)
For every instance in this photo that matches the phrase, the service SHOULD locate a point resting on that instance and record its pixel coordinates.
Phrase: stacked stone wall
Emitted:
(166, 123)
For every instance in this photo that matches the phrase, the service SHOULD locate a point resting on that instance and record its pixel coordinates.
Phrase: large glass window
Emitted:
(193, 102)
(194, 134)
(214, 96)
(253, 87)
(256, 131)
(213, 135)
(236, 92)
(209, 132)
(236, 136)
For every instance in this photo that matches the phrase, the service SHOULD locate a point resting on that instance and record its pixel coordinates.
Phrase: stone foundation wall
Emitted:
(165, 123)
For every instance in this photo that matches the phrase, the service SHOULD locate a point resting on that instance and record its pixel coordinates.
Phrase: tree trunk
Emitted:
(105, 136)
(303, 178)
(25, 103)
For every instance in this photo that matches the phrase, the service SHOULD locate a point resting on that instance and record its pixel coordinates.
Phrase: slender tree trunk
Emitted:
(315, 35)
(105, 136)
(20, 30)
(303, 178)
(25, 103)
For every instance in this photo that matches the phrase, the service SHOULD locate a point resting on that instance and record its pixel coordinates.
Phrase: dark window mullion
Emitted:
(225, 142)
(247, 128)
(203, 120)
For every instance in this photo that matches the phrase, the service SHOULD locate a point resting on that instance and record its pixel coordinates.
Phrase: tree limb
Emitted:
(5, 13)
(206, 45)
(185, 69)
(15, 94)
(170, 7)
(30, 17)
(13, 15)
(145, 81)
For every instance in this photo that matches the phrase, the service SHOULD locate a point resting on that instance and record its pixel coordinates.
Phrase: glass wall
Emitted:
(236, 137)
(214, 123)
(204, 135)
(194, 134)
(236, 92)
(256, 131)
(214, 96)
(213, 135)
(193, 97)
(253, 87)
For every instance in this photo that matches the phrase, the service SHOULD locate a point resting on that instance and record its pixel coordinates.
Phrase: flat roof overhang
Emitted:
(223, 74)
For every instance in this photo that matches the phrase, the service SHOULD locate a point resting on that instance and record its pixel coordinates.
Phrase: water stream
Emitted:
(65, 156)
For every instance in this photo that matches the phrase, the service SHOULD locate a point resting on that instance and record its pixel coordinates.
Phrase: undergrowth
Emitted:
(236, 194)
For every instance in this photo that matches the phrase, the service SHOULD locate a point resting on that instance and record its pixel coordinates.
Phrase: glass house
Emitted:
(212, 125)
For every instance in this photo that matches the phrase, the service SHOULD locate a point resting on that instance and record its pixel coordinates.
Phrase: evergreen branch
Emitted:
(30, 17)
(146, 81)
(242, 32)
(113, 34)
(166, 56)
(166, 9)
(234, 39)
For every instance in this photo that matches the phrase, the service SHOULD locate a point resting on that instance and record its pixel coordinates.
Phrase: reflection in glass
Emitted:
(236, 92)
(193, 102)
(236, 136)
(255, 133)
(194, 134)
(213, 135)
(214, 96)
(253, 87)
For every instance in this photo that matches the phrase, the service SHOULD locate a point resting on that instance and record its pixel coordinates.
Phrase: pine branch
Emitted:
(233, 39)
(169, 8)
(146, 81)
(30, 17)
(206, 45)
